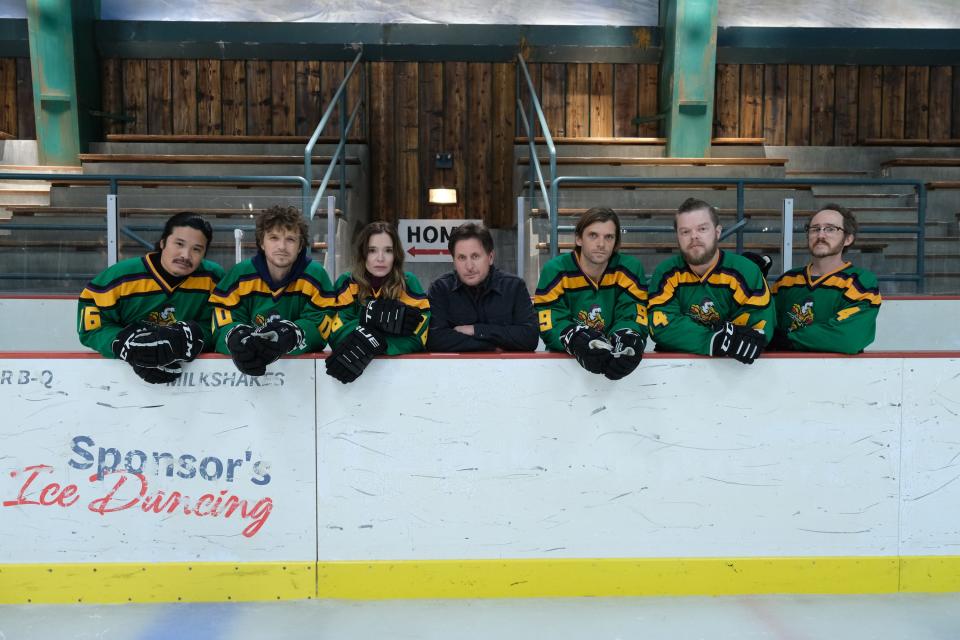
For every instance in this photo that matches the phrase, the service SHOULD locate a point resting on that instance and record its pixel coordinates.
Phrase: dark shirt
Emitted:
(499, 309)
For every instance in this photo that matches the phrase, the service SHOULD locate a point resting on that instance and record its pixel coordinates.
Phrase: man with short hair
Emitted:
(591, 302)
(706, 300)
(153, 312)
(829, 305)
(477, 307)
(278, 302)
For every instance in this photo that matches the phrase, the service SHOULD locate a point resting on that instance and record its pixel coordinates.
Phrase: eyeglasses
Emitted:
(829, 229)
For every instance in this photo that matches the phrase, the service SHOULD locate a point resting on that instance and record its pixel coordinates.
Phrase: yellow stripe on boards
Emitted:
(605, 577)
(409, 579)
(156, 582)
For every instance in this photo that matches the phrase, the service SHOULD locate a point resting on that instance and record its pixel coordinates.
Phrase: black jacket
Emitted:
(499, 310)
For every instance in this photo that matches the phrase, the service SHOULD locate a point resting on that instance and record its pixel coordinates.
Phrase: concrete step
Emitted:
(223, 147)
(209, 169)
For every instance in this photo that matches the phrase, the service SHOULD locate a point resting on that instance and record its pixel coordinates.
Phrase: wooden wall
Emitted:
(222, 97)
(16, 98)
(836, 104)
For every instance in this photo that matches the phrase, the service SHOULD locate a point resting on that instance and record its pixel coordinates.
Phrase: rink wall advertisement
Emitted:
(471, 477)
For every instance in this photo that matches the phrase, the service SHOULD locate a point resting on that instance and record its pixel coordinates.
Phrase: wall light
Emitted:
(442, 196)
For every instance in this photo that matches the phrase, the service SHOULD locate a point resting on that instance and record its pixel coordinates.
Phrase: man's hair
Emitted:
(186, 219)
(288, 218)
(469, 230)
(694, 204)
(849, 220)
(599, 214)
(395, 284)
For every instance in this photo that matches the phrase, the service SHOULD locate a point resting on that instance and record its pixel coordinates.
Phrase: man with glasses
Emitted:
(828, 305)
(707, 300)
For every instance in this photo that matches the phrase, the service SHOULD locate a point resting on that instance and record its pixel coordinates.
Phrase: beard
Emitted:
(701, 255)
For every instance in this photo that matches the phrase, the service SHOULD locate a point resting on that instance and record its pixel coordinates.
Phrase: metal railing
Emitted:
(741, 226)
(536, 173)
(112, 216)
(339, 100)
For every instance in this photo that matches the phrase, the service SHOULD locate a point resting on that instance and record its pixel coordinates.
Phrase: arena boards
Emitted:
(446, 477)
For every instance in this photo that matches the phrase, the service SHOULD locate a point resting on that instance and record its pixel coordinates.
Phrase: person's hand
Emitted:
(588, 346)
(740, 343)
(465, 329)
(627, 353)
(391, 316)
(348, 360)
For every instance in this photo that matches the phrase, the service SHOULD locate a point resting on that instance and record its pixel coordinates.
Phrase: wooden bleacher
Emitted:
(663, 162)
(920, 162)
(635, 141)
(169, 158)
(232, 139)
(671, 247)
(27, 210)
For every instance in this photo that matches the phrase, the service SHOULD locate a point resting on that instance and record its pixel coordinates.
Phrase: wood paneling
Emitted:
(955, 109)
(916, 117)
(431, 133)
(185, 97)
(578, 100)
(233, 94)
(649, 84)
(308, 80)
(798, 104)
(553, 97)
(209, 98)
(503, 115)
(626, 106)
(383, 204)
(134, 82)
(845, 105)
(8, 96)
(601, 100)
(751, 101)
(408, 137)
(283, 98)
(941, 93)
(258, 98)
(332, 77)
(479, 140)
(870, 108)
(26, 125)
(455, 132)
(775, 104)
(159, 97)
(894, 86)
(726, 110)
(822, 109)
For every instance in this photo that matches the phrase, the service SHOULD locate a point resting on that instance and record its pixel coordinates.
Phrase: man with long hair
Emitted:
(592, 302)
(707, 300)
(278, 302)
(828, 305)
(381, 308)
(153, 311)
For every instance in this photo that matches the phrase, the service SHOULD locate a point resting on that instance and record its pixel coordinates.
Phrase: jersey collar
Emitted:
(713, 267)
(166, 281)
(811, 282)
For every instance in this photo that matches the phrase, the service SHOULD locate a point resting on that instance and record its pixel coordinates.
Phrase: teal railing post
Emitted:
(550, 201)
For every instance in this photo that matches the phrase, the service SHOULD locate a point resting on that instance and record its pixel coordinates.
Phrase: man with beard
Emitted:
(828, 305)
(706, 300)
(591, 302)
(278, 302)
(152, 312)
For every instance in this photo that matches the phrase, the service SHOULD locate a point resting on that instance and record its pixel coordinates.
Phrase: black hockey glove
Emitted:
(158, 375)
(741, 343)
(588, 346)
(627, 353)
(780, 341)
(762, 260)
(277, 338)
(351, 357)
(159, 345)
(243, 349)
(391, 316)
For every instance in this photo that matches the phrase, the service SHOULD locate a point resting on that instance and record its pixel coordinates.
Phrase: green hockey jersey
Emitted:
(834, 312)
(133, 290)
(349, 307)
(248, 295)
(685, 307)
(566, 296)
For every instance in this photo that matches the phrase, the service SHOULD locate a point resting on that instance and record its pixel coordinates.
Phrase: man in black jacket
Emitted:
(477, 307)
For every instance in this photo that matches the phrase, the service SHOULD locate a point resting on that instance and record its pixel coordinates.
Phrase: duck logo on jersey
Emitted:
(801, 315)
(705, 313)
(593, 318)
(259, 320)
(163, 318)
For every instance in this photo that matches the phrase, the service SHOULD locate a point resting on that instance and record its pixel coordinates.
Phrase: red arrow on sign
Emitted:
(426, 252)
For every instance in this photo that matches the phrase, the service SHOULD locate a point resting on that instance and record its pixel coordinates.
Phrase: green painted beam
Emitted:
(687, 75)
(62, 59)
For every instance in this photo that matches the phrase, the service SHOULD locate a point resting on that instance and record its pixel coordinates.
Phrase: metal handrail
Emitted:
(339, 99)
(742, 183)
(537, 110)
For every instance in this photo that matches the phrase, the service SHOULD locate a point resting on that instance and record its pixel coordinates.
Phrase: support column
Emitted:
(65, 76)
(687, 75)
